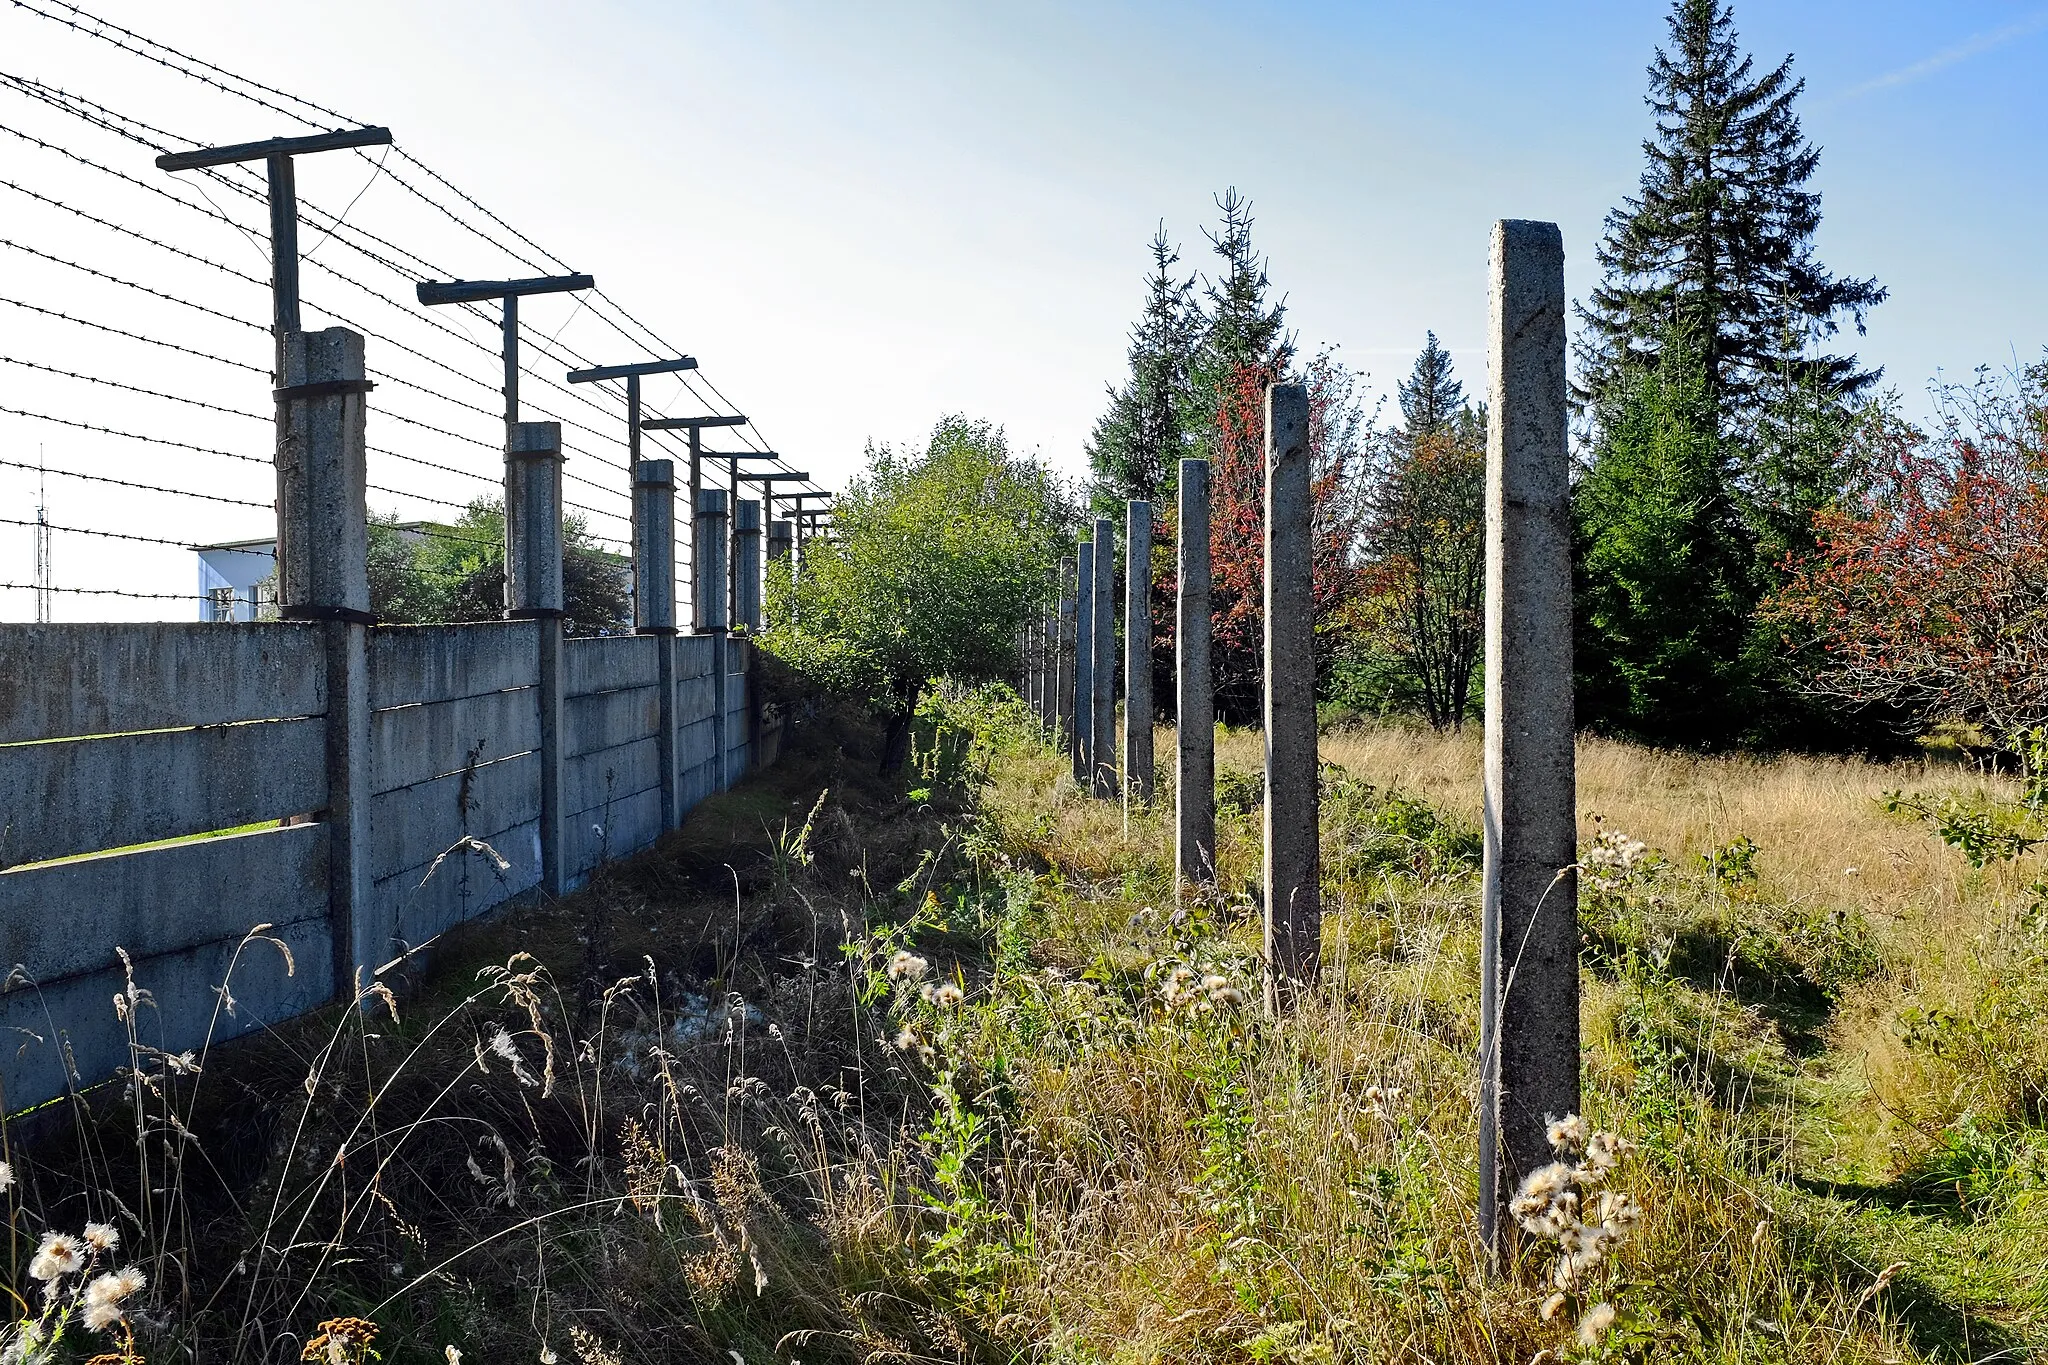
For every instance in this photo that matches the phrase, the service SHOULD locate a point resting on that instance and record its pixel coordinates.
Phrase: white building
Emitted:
(237, 580)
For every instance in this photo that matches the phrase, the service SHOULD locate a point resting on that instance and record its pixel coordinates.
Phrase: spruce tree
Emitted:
(1719, 240)
(1243, 328)
(1430, 398)
(1665, 590)
(1137, 442)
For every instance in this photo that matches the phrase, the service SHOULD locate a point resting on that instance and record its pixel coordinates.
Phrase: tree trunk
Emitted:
(896, 740)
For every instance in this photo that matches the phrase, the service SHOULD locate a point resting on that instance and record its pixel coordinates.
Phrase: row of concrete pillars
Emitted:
(1529, 1017)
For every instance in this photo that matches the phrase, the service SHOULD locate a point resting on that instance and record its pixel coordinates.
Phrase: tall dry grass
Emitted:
(957, 1076)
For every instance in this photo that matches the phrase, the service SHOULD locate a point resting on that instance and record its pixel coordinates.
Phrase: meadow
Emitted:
(936, 1068)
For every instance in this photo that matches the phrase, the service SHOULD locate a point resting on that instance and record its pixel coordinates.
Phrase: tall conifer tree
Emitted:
(1718, 242)
(1431, 399)
(1136, 445)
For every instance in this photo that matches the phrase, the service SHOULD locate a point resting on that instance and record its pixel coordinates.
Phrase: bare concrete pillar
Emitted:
(654, 609)
(1194, 709)
(1027, 664)
(654, 547)
(1102, 753)
(322, 576)
(707, 544)
(1049, 667)
(1084, 661)
(746, 564)
(533, 591)
(1137, 655)
(1529, 955)
(1294, 910)
(781, 535)
(1063, 658)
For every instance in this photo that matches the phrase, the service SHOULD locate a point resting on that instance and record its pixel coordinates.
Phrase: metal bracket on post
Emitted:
(507, 293)
(533, 591)
(633, 374)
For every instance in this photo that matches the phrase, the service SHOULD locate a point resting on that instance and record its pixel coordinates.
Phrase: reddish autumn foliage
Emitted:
(1930, 592)
(1238, 525)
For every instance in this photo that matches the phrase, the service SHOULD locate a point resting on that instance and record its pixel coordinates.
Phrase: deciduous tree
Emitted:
(1928, 594)
(1421, 605)
(940, 556)
(1337, 426)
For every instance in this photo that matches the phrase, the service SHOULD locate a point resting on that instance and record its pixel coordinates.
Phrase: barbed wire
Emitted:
(116, 279)
(131, 435)
(138, 236)
(111, 592)
(258, 194)
(135, 336)
(134, 388)
(413, 274)
(128, 483)
(404, 263)
(116, 535)
(550, 260)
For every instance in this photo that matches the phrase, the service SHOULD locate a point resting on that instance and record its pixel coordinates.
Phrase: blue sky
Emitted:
(895, 210)
(862, 216)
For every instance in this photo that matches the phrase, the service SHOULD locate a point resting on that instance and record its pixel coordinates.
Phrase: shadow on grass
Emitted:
(1936, 1321)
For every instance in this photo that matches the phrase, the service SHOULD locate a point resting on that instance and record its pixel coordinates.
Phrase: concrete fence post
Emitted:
(322, 576)
(708, 568)
(1137, 655)
(533, 591)
(1049, 666)
(1194, 844)
(1294, 912)
(654, 609)
(1529, 953)
(1102, 755)
(1084, 662)
(1031, 666)
(746, 564)
(1063, 658)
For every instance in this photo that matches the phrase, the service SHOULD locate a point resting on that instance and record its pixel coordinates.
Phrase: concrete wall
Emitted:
(146, 771)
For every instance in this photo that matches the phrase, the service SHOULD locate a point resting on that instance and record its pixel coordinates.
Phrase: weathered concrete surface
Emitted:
(62, 681)
(412, 664)
(1102, 753)
(654, 545)
(533, 581)
(323, 538)
(1294, 913)
(1084, 661)
(1194, 843)
(1137, 783)
(1063, 657)
(655, 618)
(607, 663)
(1529, 1065)
(746, 564)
